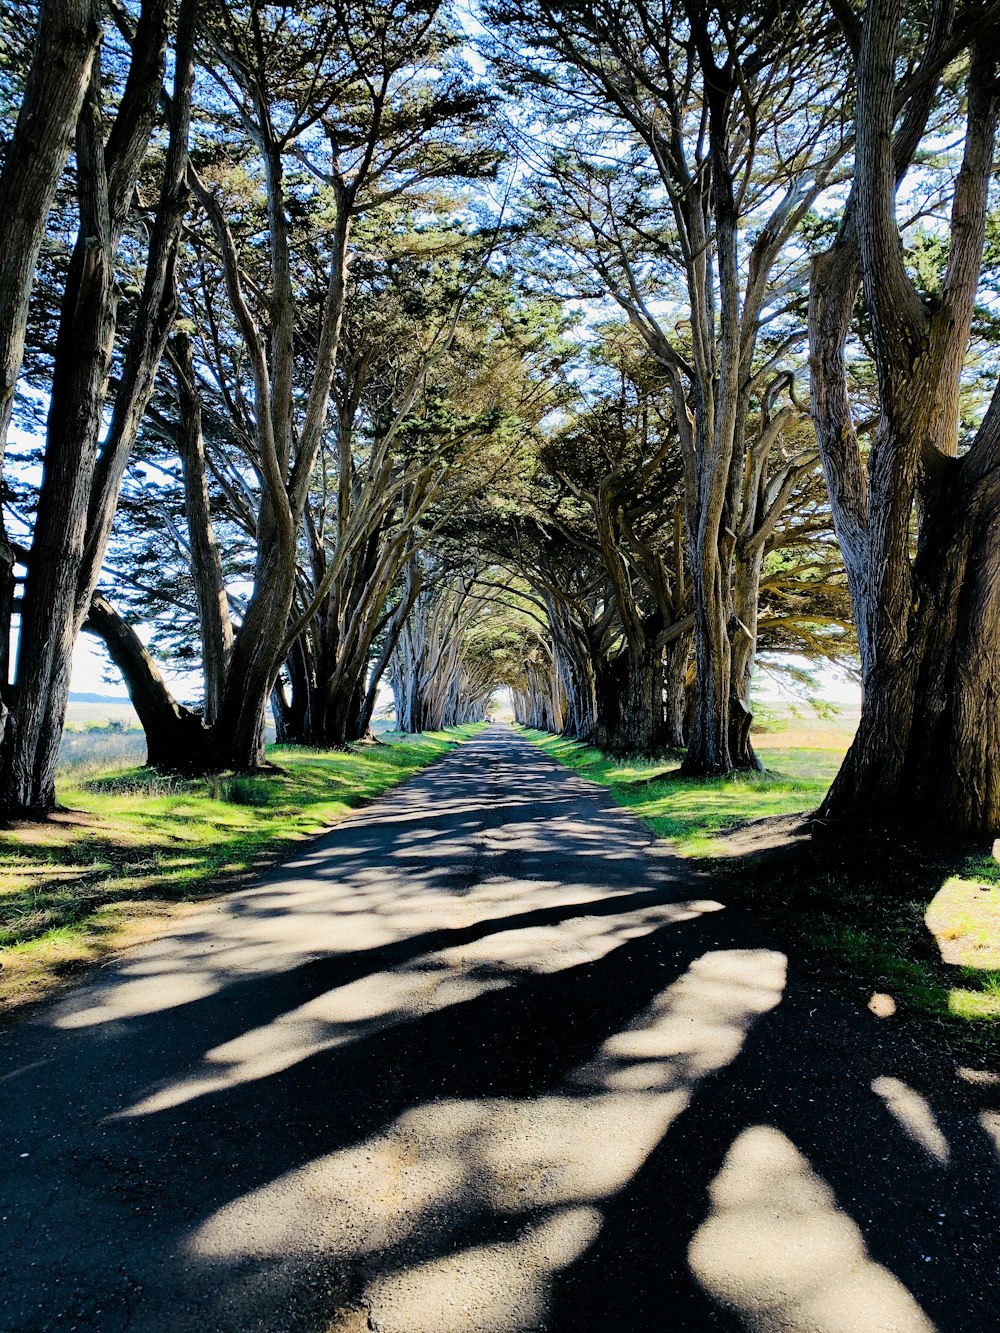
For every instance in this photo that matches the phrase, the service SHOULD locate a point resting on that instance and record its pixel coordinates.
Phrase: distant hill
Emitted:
(76, 697)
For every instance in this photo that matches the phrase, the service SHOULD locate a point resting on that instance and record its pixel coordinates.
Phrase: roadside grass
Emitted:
(907, 926)
(693, 813)
(132, 844)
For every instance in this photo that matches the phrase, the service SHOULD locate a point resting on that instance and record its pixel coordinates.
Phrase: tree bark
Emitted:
(291, 713)
(927, 749)
(643, 729)
(675, 706)
(176, 738)
(718, 421)
(928, 744)
(77, 497)
(393, 631)
(574, 664)
(66, 45)
(215, 626)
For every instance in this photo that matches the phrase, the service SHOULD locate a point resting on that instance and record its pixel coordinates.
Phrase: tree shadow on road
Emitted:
(592, 1101)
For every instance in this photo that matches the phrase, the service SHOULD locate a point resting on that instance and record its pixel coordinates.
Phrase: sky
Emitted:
(90, 661)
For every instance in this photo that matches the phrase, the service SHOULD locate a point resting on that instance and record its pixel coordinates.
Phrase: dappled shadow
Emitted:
(484, 1058)
(62, 871)
(916, 917)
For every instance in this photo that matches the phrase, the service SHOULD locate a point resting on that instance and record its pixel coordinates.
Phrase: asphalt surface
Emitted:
(486, 1058)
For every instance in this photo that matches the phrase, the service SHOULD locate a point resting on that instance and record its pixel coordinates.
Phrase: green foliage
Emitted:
(926, 258)
(17, 25)
(767, 720)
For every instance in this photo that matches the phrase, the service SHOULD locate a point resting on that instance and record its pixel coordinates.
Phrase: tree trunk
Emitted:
(631, 714)
(718, 422)
(291, 714)
(393, 633)
(363, 724)
(339, 703)
(643, 729)
(708, 749)
(175, 737)
(675, 691)
(281, 712)
(747, 567)
(928, 744)
(578, 681)
(66, 43)
(77, 498)
(239, 733)
(574, 662)
(411, 710)
(927, 751)
(205, 562)
(342, 722)
(82, 362)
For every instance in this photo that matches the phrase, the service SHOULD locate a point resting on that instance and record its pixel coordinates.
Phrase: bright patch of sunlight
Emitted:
(440, 1165)
(964, 918)
(428, 983)
(914, 1115)
(974, 1004)
(501, 1287)
(990, 1121)
(777, 1248)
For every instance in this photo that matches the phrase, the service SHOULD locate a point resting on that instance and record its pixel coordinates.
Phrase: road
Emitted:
(486, 1057)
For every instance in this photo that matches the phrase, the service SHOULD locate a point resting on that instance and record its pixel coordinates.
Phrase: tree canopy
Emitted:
(580, 352)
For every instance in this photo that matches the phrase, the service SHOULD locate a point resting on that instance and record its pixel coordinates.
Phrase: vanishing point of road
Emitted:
(485, 1058)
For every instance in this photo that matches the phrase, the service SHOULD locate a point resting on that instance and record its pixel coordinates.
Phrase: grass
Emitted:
(912, 927)
(692, 814)
(135, 844)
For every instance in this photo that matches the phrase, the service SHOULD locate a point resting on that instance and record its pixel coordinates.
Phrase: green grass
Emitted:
(917, 923)
(692, 813)
(133, 842)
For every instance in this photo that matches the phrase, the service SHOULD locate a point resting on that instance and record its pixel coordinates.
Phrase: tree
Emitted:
(419, 409)
(66, 41)
(82, 475)
(370, 104)
(620, 457)
(65, 45)
(918, 522)
(701, 124)
(315, 121)
(460, 644)
(426, 662)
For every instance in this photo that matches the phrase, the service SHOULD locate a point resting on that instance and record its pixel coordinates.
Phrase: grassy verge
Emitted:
(693, 814)
(907, 927)
(134, 844)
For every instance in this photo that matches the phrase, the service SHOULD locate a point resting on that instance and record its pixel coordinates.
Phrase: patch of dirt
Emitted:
(356, 1319)
(62, 817)
(775, 833)
(58, 828)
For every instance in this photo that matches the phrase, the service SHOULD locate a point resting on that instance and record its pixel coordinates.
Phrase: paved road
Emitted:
(484, 1058)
